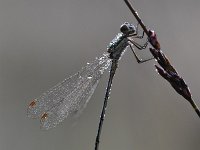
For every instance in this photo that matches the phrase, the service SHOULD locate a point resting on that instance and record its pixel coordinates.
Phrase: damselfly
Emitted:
(71, 95)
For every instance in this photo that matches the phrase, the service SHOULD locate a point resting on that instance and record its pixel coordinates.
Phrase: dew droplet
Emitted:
(89, 77)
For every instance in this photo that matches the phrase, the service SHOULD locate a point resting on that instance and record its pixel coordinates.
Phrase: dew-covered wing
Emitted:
(69, 96)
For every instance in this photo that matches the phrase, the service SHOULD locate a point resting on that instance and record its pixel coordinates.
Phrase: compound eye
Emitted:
(132, 29)
(124, 28)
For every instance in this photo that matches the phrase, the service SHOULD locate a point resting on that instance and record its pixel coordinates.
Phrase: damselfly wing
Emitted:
(69, 96)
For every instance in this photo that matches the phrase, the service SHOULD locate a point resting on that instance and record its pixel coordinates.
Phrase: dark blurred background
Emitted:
(44, 41)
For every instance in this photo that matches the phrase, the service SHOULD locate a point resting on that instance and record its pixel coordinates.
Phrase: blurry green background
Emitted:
(44, 41)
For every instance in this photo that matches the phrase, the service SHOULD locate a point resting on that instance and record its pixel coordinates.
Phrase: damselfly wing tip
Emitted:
(32, 104)
(43, 120)
(30, 109)
(51, 119)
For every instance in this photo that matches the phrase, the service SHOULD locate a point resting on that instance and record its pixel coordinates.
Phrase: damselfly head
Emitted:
(127, 28)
